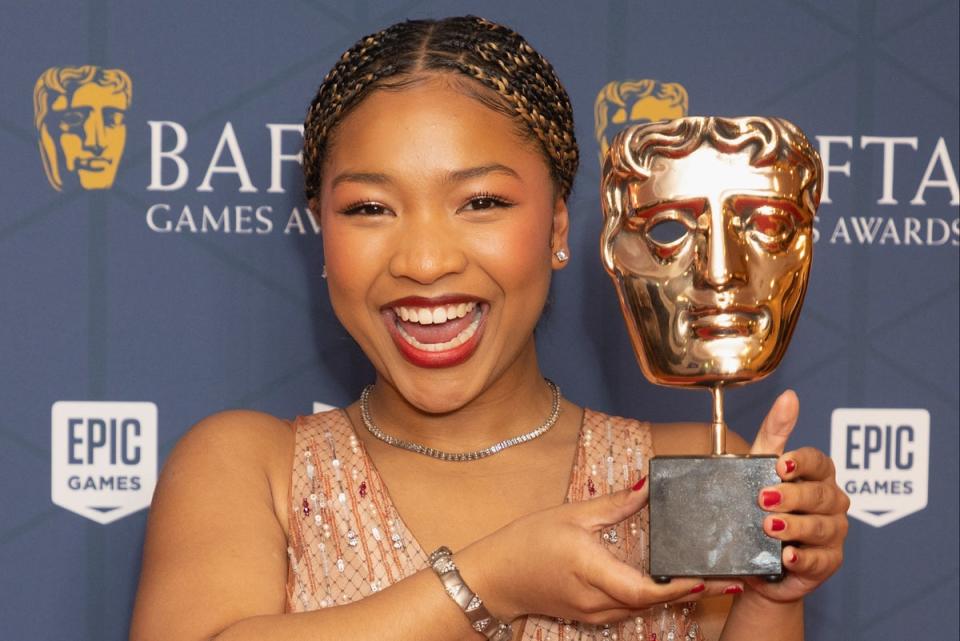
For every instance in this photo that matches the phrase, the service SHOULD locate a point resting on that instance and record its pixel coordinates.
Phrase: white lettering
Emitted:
(840, 231)
(911, 231)
(944, 236)
(277, 157)
(265, 225)
(151, 223)
(866, 228)
(890, 232)
(940, 157)
(889, 143)
(825, 142)
(228, 140)
(157, 155)
(186, 221)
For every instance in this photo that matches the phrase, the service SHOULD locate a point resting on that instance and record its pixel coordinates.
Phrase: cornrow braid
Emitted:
(523, 83)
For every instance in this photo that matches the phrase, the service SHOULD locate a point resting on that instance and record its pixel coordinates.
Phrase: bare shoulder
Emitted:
(674, 439)
(250, 435)
(215, 550)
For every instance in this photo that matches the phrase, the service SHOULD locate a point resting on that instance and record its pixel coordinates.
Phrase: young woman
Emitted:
(439, 157)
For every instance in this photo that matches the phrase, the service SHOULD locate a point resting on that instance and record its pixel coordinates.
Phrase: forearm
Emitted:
(413, 609)
(756, 617)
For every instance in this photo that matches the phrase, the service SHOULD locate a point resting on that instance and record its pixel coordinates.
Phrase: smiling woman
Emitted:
(439, 157)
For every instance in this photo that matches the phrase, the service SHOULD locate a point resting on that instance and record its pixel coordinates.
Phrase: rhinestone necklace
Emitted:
(458, 456)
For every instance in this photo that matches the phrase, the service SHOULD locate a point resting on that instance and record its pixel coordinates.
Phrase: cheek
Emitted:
(115, 138)
(517, 254)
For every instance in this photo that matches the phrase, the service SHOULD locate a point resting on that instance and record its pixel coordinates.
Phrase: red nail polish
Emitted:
(700, 587)
(793, 557)
(639, 485)
(771, 498)
(778, 525)
(733, 589)
(791, 465)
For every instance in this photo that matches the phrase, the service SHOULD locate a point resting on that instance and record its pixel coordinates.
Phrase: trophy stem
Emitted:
(718, 428)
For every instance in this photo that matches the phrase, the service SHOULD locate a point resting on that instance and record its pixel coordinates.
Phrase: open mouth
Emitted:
(710, 323)
(436, 332)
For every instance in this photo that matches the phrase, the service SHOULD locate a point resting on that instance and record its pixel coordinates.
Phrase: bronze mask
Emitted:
(708, 239)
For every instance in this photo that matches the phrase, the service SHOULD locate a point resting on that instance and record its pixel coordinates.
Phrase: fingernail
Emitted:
(700, 587)
(791, 465)
(733, 589)
(793, 557)
(778, 525)
(770, 498)
(639, 484)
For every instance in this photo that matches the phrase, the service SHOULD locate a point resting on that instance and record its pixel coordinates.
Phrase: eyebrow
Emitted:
(460, 175)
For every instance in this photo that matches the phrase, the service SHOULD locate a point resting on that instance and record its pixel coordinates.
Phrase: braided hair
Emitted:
(521, 84)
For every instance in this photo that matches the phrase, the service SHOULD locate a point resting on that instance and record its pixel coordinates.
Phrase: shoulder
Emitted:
(236, 448)
(237, 433)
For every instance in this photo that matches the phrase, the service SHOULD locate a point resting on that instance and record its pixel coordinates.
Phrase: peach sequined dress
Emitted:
(347, 540)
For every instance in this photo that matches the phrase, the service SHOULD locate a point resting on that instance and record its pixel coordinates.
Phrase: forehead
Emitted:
(428, 126)
(711, 173)
(92, 95)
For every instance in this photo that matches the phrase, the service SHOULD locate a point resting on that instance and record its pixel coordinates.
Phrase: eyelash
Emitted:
(356, 208)
(496, 201)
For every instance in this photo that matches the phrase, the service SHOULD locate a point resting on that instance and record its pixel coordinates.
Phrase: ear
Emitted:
(559, 233)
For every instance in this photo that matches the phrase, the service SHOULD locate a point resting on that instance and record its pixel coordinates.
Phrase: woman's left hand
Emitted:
(809, 510)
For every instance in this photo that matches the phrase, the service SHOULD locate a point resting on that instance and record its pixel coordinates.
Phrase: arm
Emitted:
(215, 560)
(215, 557)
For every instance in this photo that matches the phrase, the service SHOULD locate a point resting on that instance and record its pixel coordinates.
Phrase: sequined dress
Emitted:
(347, 540)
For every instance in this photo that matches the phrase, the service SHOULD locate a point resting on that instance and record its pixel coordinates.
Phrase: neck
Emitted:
(518, 401)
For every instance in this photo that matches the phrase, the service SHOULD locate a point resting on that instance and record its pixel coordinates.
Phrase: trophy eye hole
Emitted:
(666, 231)
(771, 226)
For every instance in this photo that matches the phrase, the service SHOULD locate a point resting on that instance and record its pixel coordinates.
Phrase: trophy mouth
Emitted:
(735, 321)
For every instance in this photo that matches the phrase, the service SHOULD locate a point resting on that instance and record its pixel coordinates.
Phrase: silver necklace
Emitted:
(374, 429)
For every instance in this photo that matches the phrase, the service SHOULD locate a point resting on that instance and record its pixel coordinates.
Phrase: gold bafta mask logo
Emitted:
(79, 113)
(635, 102)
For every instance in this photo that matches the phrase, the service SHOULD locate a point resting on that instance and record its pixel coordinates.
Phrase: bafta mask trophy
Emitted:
(708, 239)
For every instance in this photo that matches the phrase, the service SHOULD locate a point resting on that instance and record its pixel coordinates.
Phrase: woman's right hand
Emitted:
(553, 563)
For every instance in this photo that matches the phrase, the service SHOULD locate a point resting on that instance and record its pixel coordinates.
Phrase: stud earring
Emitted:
(323, 272)
(562, 255)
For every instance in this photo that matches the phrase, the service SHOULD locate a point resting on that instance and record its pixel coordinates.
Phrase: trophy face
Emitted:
(708, 239)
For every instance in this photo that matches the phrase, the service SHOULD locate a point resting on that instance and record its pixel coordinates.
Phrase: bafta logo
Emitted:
(79, 114)
(635, 102)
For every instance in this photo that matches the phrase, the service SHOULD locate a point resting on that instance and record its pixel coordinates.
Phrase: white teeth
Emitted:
(434, 315)
(456, 341)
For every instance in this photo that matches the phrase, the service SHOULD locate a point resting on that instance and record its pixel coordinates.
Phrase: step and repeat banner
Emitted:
(158, 262)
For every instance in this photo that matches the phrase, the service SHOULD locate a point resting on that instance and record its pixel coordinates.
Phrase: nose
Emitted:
(427, 249)
(721, 259)
(94, 133)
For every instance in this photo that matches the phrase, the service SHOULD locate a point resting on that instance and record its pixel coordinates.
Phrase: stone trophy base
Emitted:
(705, 520)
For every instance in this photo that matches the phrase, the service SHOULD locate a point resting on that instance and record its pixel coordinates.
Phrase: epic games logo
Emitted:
(103, 457)
(882, 460)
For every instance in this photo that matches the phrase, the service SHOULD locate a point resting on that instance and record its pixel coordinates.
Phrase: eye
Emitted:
(771, 226)
(486, 201)
(666, 230)
(72, 119)
(112, 117)
(364, 209)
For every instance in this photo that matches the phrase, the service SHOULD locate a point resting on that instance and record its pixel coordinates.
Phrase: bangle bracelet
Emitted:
(480, 618)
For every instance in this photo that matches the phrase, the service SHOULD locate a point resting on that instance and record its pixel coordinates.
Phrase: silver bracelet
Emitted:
(441, 560)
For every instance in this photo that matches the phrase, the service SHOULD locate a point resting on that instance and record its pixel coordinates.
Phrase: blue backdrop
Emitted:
(124, 291)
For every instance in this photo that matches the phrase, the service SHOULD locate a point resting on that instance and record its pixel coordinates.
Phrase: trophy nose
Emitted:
(721, 260)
